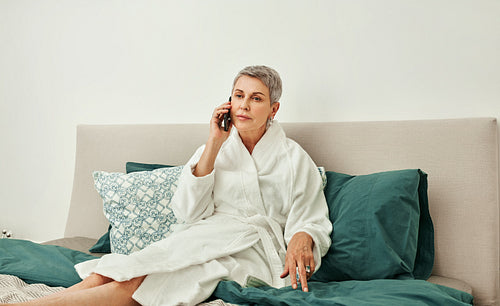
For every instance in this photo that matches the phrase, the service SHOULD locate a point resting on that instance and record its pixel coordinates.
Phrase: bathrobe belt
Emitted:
(275, 254)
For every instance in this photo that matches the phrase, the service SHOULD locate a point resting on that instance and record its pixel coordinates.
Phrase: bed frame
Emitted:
(459, 155)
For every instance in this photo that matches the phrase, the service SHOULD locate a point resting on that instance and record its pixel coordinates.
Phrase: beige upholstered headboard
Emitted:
(459, 155)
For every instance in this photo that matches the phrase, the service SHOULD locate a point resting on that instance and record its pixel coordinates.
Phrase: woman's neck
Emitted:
(251, 138)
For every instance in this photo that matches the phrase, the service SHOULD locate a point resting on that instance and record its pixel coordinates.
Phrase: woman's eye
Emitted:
(257, 99)
(238, 96)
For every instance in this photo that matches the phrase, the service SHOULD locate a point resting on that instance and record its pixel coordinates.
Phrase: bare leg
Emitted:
(93, 280)
(108, 293)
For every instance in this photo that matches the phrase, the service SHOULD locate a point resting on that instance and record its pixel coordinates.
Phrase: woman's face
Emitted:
(251, 105)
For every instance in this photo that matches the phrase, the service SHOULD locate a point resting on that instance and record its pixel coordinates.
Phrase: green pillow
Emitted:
(103, 245)
(381, 227)
(36, 263)
(135, 167)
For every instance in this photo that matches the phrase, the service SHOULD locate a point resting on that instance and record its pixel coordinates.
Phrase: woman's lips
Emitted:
(242, 117)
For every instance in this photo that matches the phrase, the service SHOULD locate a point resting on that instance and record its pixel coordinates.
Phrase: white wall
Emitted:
(98, 61)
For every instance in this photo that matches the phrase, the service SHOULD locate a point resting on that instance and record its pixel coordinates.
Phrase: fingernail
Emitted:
(294, 286)
(306, 289)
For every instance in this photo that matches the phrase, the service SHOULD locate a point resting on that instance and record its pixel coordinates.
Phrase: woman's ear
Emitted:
(274, 109)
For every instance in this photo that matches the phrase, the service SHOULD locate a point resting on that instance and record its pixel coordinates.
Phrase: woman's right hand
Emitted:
(217, 132)
(215, 140)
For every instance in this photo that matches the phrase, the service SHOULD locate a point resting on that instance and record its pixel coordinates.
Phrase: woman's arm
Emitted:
(193, 199)
(215, 140)
(308, 228)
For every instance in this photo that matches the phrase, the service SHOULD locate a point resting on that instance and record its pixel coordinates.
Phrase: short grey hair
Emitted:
(266, 75)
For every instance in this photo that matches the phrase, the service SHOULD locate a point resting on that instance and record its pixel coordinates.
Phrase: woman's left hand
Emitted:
(299, 255)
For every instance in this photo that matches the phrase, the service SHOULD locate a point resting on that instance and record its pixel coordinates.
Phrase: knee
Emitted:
(95, 280)
(130, 286)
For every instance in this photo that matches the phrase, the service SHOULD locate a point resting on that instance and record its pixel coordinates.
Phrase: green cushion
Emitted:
(381, 227)
(35, 263)
(103, 245)
(136, 167)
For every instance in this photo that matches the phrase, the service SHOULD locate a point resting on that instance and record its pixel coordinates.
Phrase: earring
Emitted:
(269, 122)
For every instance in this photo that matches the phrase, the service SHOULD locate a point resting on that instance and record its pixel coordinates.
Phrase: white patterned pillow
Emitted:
(137, 206)
(322, 172)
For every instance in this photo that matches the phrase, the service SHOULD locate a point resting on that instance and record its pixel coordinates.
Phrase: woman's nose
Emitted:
(245, 104)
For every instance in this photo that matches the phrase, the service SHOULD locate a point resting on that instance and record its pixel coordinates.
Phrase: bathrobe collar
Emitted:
(273, 135)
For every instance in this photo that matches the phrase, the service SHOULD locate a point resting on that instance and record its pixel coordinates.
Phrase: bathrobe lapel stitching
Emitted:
(255, 201)
(251, 188)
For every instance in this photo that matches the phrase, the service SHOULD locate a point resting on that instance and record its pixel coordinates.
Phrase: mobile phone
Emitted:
(226, 119)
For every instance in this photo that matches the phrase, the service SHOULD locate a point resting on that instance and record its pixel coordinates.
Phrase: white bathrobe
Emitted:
(239, 219)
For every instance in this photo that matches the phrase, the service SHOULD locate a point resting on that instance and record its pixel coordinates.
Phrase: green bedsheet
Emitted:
(52, 265)
(36, 263)
(374, 292)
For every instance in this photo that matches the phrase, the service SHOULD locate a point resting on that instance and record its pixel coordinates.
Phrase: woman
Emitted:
(253, 207)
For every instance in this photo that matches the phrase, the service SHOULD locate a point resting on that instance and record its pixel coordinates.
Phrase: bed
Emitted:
(447, 169)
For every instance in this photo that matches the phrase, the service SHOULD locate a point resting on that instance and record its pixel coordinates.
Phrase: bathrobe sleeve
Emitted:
(309, 211)
(193, 199)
